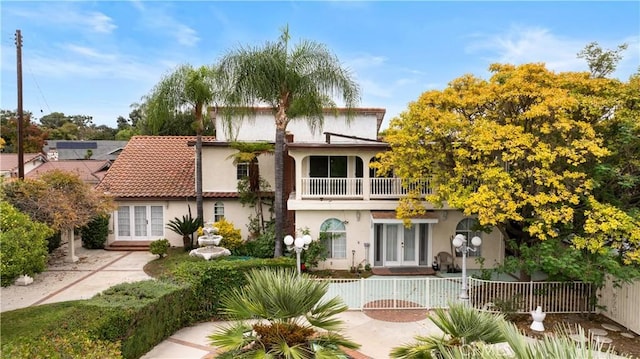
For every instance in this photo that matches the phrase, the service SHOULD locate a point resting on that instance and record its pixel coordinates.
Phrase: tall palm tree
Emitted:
(186, 88)
(295, 82)
(289, 318)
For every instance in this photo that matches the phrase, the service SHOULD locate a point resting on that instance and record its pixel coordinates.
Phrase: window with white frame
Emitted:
(140, 222)
(466, 228)
(218, 211)
(333, 235)
(242, 170)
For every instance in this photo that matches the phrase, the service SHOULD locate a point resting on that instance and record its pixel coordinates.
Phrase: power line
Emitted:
(39, 89)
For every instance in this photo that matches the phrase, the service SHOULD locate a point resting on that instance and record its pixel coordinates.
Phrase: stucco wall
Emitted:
(219, 174)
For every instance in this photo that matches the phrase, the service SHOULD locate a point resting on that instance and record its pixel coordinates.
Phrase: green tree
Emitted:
(602, 63)
(294, 320)
(184, 87)
(296, 82)
(517, 151)
(34, 137)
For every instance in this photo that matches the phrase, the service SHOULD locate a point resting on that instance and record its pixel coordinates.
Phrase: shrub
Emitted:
(159, 247)
(54, 242)
(261, 247)
(209, 280)
(75, 344)
(185, 227)
(231, 236)
(94, 234)
(23, 249)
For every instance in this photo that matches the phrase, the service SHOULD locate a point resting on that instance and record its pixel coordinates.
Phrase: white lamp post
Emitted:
(298, 245)
(460, 242)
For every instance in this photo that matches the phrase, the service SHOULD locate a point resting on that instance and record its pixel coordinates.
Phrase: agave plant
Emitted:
(461, 325)
(289, 318)
(185, 227)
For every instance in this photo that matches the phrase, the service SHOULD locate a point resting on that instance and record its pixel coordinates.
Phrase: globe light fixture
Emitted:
(298, 244)
(460, 242)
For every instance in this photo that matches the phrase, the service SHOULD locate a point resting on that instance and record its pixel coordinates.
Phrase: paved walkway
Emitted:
(98, 270)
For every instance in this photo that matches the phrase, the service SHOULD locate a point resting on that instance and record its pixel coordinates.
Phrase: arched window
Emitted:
(218, 211)
(333, 235)
(466, 228)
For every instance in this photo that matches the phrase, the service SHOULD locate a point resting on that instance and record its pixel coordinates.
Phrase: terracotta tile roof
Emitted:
(154, 167)
(90, 171)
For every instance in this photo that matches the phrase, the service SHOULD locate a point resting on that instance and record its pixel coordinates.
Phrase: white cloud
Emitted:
(158, 19)
(64, 15)
(101, 22)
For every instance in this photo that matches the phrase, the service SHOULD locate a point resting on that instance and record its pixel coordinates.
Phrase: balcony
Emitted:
(353, 188)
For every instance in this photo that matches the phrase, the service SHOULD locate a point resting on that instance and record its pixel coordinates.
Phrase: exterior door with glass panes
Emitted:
(400, 245)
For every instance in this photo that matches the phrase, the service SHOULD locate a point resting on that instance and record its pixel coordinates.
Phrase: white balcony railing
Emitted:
(379, 188)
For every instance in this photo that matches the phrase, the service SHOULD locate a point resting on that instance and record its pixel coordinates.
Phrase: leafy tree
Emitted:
(59, 199)
(294, 320)
(296, 82)
(517, 151)
(602, 63)
(190, 87)
(34, 137)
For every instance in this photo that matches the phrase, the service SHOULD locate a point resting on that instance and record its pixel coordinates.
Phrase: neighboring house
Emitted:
(83, 150)
(331, 191)
(89, 171)
(9, 163)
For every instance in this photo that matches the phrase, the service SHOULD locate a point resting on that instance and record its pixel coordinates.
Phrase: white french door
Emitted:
(140, 222)
(400, 245)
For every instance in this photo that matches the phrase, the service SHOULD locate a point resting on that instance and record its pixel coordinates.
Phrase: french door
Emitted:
(400, 245)
(140, 222)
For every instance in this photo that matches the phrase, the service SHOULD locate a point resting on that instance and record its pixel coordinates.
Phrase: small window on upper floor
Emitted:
(242, 170)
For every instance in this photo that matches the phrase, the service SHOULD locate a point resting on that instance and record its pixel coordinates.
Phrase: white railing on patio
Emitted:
(353, 188)
(331, 187)
(523, 297)
(393, 188)
(435, 292)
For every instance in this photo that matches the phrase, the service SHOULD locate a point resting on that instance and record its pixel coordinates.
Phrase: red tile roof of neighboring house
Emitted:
(90, 171)
(9, 161)
(155, 167)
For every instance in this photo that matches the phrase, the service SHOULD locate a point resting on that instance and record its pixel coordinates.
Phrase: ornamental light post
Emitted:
(298, 245)
(460, 242)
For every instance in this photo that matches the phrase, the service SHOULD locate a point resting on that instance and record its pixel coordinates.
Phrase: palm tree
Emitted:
(289, 318)
(185, 88)
(296, 82)
(185, 227)
(461, 325)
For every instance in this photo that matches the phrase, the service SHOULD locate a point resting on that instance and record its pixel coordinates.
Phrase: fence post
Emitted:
(531, 295)
(361, 294)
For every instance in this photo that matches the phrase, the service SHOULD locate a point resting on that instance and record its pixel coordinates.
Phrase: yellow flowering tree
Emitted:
(518, 151)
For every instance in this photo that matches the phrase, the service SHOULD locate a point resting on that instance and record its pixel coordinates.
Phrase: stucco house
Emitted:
(331, 191)
(9, 163)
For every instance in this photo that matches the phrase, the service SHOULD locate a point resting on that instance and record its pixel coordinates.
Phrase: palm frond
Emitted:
(232, 337)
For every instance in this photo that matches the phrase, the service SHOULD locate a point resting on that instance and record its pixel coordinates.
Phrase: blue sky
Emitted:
(98, 57)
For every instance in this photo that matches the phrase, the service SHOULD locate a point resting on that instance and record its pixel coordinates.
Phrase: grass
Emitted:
(163, 266)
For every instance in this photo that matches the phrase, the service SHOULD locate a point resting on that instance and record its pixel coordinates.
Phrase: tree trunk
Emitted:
(279, 191)
(200, 125)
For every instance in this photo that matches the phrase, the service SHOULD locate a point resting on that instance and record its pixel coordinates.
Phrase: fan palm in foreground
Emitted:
(289, 318)
(468, 334)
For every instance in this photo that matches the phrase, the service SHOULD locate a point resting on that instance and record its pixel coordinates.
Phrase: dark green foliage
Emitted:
(94, 234)
(315, 253)
(261, 247)
(185, 227)
(54, 242)
(159, 247)
(209, 280)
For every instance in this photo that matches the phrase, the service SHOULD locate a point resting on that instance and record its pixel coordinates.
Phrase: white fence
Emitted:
(434, 292)
(621, 303)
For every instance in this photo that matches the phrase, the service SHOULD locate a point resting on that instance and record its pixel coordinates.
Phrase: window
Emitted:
(466, 228)
(242, 170)
(328, 167)
(147, 222)
(218, 211)
(333, 235)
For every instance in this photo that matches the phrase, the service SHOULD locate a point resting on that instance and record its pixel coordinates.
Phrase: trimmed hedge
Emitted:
(210, 279)
(95, 233)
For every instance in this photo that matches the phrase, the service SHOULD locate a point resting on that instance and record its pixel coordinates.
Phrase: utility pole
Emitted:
(20, 112)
